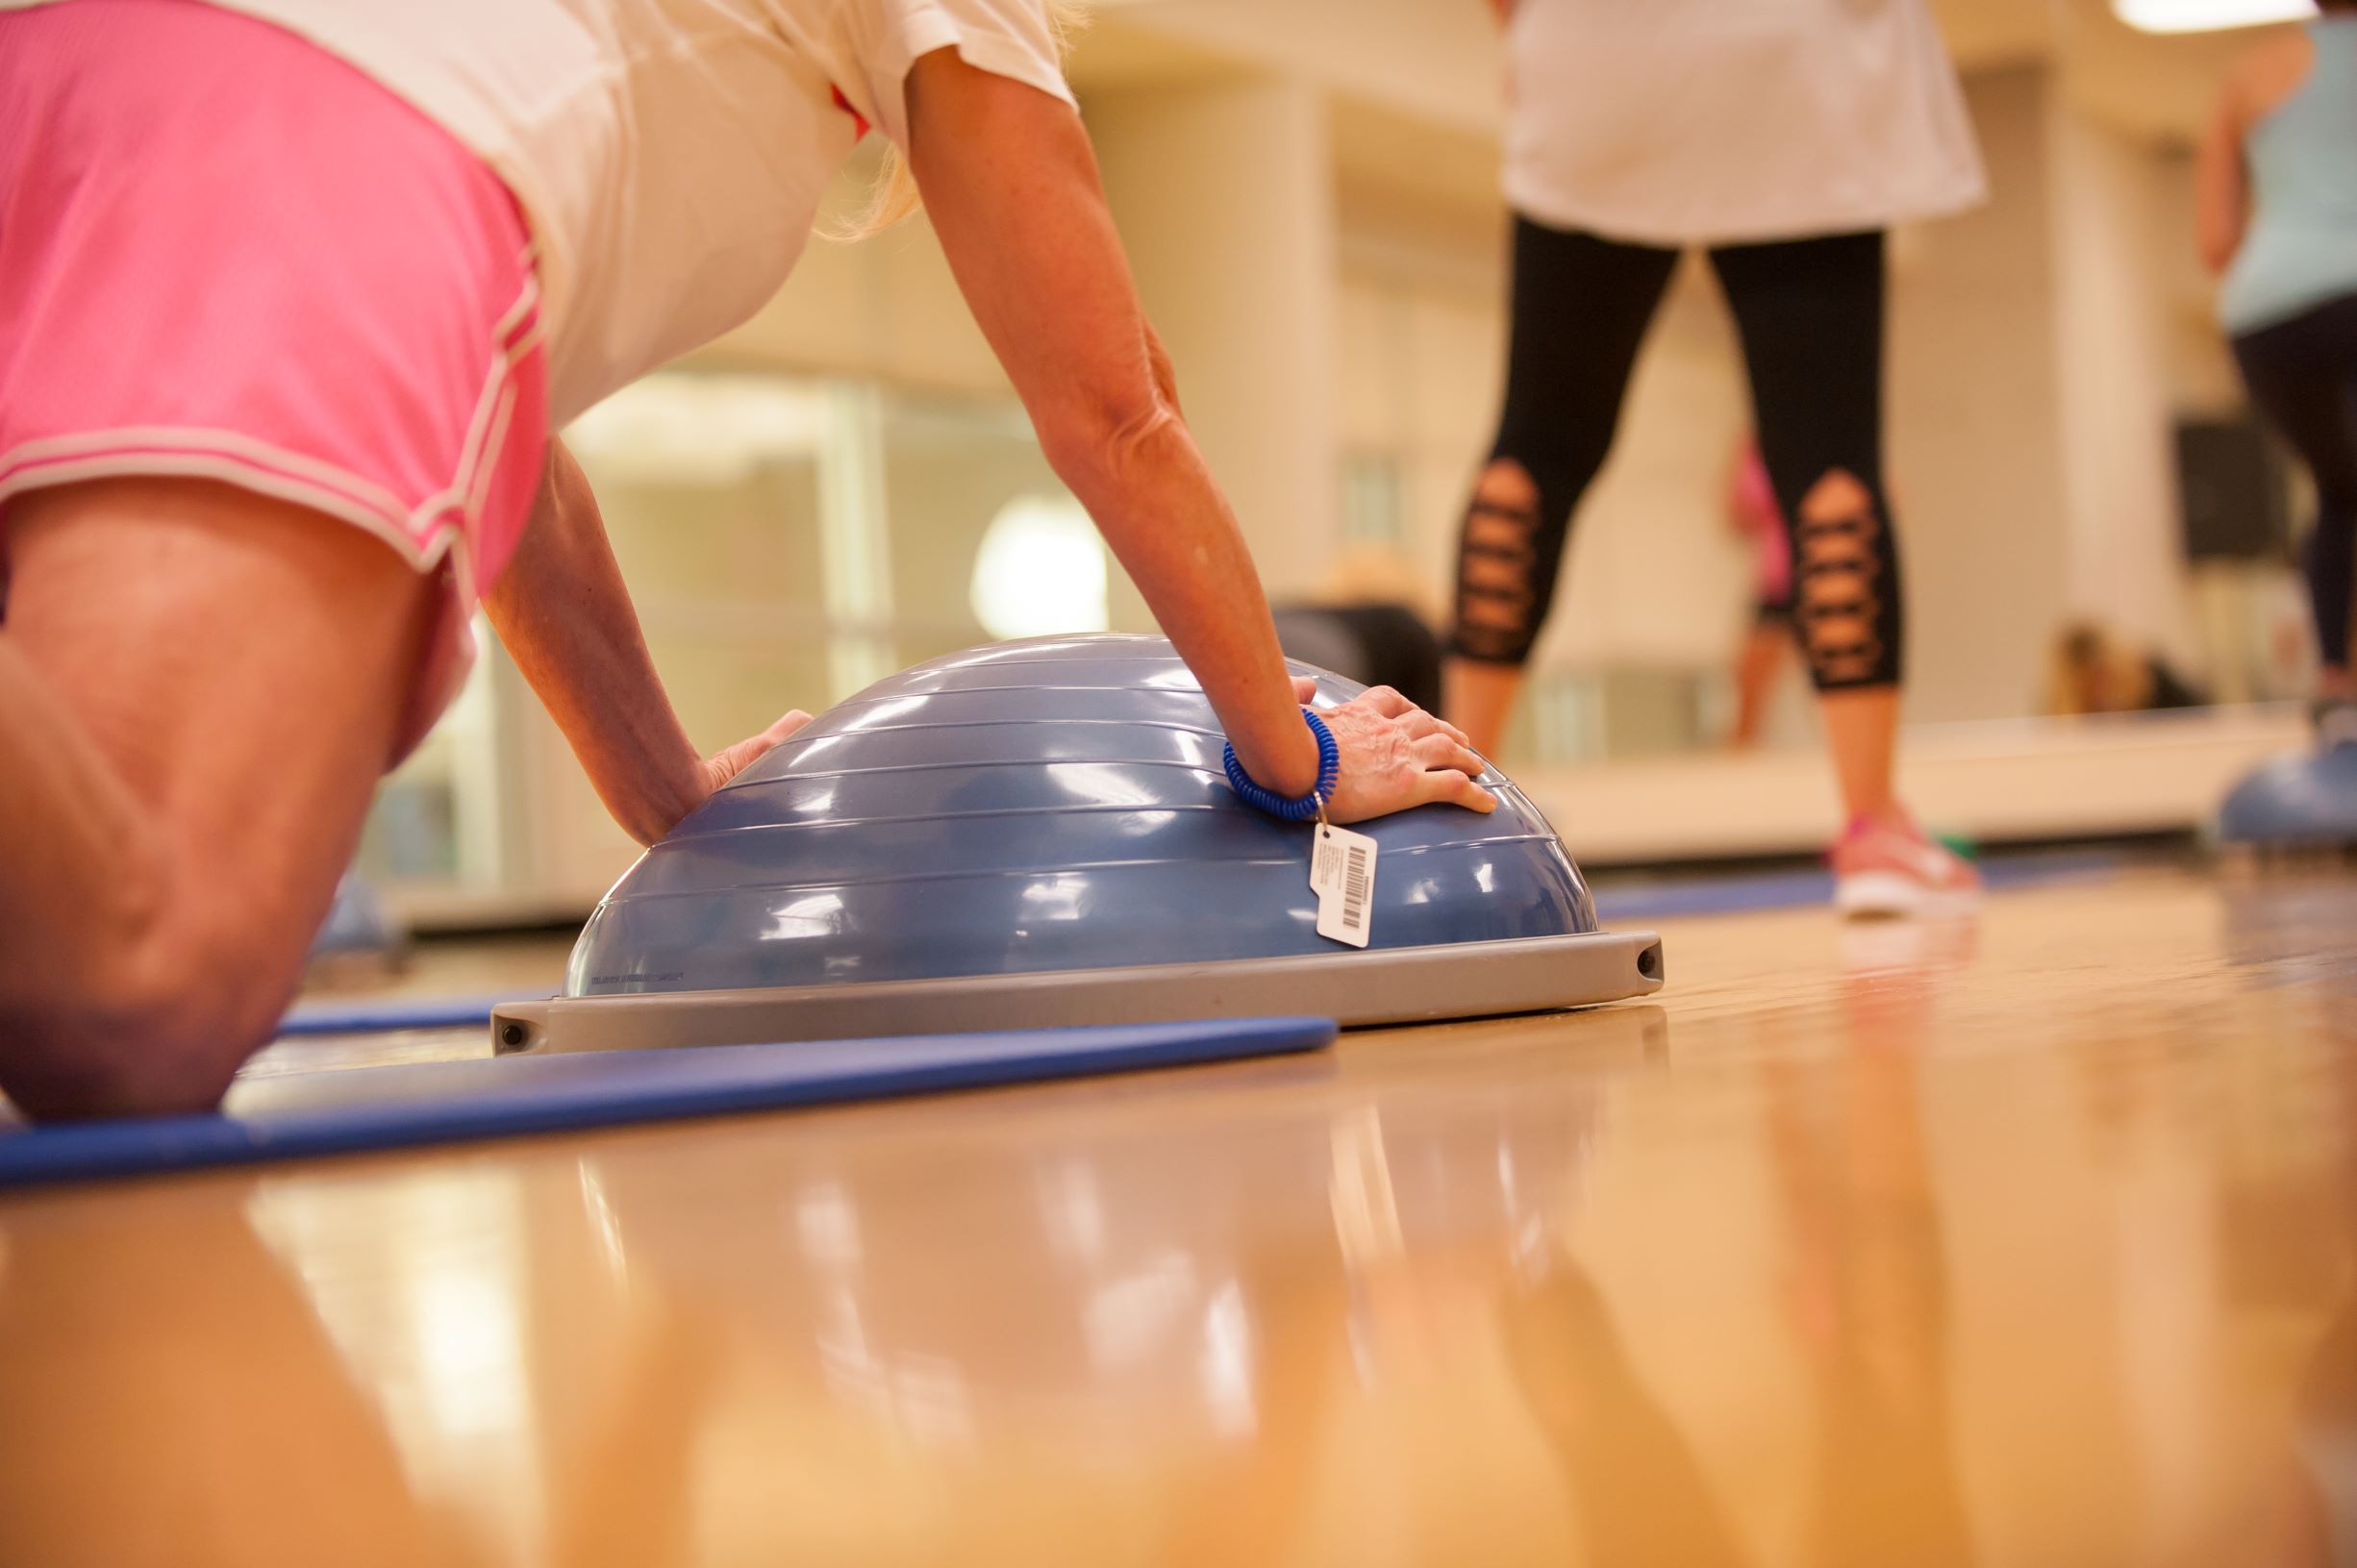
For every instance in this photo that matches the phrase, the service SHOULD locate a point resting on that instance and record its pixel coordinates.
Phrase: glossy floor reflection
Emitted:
(2024, 1242)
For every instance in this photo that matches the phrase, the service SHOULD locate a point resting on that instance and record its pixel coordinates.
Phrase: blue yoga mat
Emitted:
(296, 1115)
(396, 1012)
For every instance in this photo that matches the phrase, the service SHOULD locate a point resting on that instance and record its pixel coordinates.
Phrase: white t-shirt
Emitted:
(1677, 122)
(668, 154)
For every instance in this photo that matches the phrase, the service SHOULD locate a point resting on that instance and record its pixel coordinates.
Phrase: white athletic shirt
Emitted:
(668, 155)
(1677, 122)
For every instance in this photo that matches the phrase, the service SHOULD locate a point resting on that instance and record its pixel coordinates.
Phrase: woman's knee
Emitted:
(245, 764)
(157, 1020)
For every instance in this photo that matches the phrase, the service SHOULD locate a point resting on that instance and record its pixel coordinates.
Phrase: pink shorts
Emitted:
(226, 254)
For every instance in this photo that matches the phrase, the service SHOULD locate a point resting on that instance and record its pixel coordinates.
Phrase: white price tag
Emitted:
(1343, 876)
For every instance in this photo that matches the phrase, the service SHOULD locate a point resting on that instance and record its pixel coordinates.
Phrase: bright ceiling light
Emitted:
(1040, 570)
(2206, 16)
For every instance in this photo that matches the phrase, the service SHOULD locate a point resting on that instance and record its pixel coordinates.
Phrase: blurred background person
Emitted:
(2276, 204)
(1787, 144)
(2095, 670)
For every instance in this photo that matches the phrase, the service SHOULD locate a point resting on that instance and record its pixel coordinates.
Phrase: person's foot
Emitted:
(1885, 867)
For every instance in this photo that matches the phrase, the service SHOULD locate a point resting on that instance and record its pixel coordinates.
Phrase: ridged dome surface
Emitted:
(1030, 807)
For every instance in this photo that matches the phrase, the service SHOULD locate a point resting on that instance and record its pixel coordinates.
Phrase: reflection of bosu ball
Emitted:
(2307, 801)
(1039, 833)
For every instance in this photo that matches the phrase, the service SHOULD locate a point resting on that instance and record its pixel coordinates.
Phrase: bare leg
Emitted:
(1757, 663)
(198, 690)
(1478, 697)
(1862, 732)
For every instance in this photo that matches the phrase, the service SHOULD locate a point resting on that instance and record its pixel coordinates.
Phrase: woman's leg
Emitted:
(198, 688)
(1580, 308)
(2302, 373)
(1810, 316)
(1758, 662)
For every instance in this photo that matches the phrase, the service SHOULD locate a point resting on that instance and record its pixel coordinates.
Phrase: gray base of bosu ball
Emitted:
(1040, 833)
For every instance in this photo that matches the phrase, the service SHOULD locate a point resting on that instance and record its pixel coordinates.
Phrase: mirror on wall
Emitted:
(788, 540)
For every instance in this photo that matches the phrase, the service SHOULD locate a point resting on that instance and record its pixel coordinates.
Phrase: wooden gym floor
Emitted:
(2024, 1240)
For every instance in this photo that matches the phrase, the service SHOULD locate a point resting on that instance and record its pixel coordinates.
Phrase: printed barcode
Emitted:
(1354, 889)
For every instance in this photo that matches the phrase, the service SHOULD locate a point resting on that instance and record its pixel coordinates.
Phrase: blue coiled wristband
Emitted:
(1329, 773)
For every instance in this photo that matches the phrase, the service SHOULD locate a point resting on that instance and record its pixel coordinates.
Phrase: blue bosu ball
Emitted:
(1051, 808)
(2304, 800)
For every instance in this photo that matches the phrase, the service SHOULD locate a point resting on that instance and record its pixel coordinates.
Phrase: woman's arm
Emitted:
(1011, 184)
(2221, 186)
(564, 615)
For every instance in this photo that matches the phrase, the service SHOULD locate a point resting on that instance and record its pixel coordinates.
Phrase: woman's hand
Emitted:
(565, 616)
(1395, 756)
(726, 763)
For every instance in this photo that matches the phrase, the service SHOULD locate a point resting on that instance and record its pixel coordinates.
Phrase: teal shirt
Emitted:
(2301, 247)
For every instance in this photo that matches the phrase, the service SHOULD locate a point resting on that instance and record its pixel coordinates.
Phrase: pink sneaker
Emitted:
(1884, 868)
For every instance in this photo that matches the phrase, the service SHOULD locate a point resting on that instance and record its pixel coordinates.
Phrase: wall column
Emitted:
(1224, 196)
(2113, 245)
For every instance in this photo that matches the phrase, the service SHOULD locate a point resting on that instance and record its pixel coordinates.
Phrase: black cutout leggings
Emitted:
(1810, 315)
(2302, 373)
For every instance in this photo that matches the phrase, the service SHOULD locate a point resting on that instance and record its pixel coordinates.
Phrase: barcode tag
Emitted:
(1343, 876)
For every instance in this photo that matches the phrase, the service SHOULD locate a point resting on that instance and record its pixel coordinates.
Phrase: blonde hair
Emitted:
(892, 197)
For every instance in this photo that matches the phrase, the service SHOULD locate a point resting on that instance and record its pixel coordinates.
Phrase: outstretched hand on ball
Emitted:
(1395, 755)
